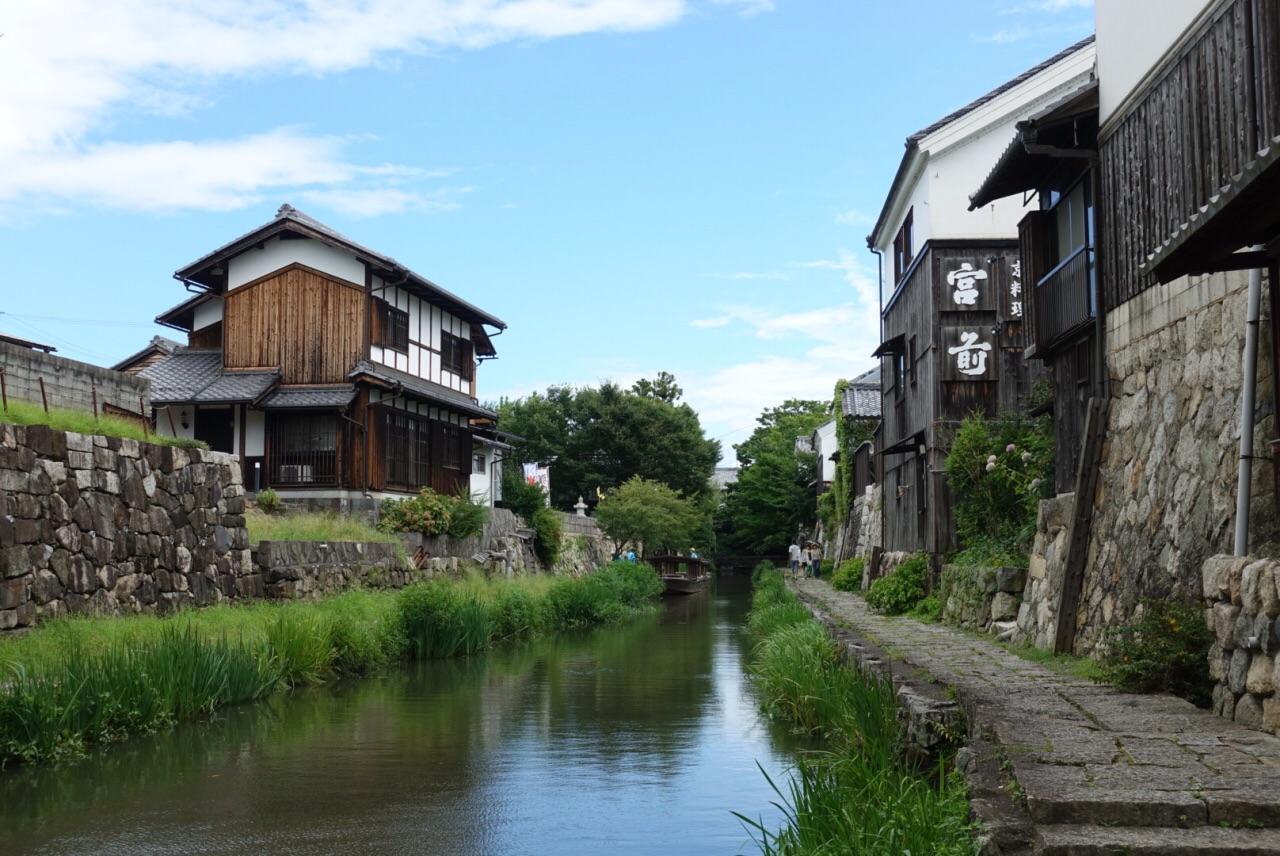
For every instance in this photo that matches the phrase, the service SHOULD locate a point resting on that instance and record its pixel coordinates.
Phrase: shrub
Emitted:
(848, 577)
(828, 567)
(466, 516)
(928, 610)
(428, 513)
(998, 471)
(547, 532)
(267, 500)
(1164, 648)
(902, 589)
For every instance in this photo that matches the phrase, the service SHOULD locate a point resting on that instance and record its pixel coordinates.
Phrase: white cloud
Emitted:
(709, 323)
(80, 61)
(1062, 5)
(748, 7)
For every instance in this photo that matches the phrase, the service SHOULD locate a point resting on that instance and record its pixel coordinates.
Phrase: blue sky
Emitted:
(634, 186)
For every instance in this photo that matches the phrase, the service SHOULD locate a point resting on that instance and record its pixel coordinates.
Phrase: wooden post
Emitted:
(95, 402)
(1095, 429)
(146, 423)
(43, 396)
(4, 391)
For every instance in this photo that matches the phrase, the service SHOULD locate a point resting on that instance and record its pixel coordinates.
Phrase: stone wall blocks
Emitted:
(1248, 712)
(14, 592)
(1258, 679)
(1243, 630)
(15, 561)
(1238, 673)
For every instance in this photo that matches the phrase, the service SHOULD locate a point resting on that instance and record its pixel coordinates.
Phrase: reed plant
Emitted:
(77, 682)
(858, 795)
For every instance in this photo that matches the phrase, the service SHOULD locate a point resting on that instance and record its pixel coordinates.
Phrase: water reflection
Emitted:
(640, 739)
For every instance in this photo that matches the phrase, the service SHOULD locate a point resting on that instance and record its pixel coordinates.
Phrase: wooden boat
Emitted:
(682, 574)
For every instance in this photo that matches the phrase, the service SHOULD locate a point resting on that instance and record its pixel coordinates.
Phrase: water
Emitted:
(635, 739)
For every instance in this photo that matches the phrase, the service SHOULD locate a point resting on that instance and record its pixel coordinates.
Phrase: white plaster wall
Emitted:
(1133, 36)
(172, 427)
(209, 312)
(276, 254)
(958, 157)
(426, 322)
(255, 435)
(826, 445)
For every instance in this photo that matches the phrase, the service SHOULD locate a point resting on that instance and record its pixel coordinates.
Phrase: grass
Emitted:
(81, 681)
(83, 422)
(311, 526)
(1082, 668)
(858, 796)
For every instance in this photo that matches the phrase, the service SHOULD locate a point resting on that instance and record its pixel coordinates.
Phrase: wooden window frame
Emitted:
(455, 355)
(392, 329)
(407, 449)
(904, 251)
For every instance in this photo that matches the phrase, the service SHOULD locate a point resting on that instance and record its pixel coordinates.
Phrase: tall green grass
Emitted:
(858, 796)
(82, 681)
(311, 526)
(83, 422)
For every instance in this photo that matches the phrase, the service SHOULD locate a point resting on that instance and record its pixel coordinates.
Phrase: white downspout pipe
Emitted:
(1244, 484)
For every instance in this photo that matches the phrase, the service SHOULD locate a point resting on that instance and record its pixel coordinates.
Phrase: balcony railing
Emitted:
(1065, 300)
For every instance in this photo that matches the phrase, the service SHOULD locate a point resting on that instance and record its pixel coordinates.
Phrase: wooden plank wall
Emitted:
(306, 322)
(1185, 139)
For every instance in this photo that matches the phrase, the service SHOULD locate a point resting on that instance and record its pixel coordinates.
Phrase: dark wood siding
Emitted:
(206, 337)
(942, 305)
(307, 323)
(1183, 139)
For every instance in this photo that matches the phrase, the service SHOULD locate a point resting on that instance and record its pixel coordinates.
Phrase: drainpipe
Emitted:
(1244, 481)
(880, 287)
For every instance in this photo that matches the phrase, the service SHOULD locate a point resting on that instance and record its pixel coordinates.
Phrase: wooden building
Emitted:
(1054, 155)
(952, 315)
(332, 370)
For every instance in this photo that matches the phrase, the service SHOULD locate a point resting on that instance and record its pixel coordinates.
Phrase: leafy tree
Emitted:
(773, 497)
(850, 434)
(647, 512)
(598, 438)
(663, 388)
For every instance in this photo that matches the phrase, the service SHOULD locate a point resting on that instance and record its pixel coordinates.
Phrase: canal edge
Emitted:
(937, 717)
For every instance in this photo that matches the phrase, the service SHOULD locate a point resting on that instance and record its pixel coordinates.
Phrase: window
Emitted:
(911, 360)
(451, 453)
(899, 375)
(455, 354)
(904, 247)
(477, 463)
(391, 327)
(408, 450)
(303, 449)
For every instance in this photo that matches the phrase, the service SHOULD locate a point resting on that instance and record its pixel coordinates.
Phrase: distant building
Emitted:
(335, 372)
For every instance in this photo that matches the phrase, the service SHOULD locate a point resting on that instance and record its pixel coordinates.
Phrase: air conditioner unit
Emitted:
(295, 473)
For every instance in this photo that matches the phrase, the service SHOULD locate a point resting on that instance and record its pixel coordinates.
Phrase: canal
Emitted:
(634, 739)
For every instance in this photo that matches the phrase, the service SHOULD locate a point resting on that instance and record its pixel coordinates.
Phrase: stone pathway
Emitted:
(1065, 767)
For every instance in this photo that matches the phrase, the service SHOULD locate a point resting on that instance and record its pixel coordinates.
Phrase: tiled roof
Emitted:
(725, 476)
(288, 214)
(329, 395)
(232, 385)
(422, 387)
(178, 377)
(861, 398)
(157, 345)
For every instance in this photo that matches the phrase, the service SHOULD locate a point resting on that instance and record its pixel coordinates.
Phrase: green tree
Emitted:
(598, 438)
(773, 497)
(663, 388)
(647, 512)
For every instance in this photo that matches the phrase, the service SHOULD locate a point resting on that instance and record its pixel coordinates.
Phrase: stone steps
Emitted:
(1085, 840)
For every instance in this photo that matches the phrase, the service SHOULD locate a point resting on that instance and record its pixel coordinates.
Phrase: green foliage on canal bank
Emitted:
(79, 682)
(858, 796)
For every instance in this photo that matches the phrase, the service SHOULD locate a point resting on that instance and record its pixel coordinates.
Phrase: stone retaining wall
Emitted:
(1243, 605)
(1167, 485)
(981, 599)
(311, 570)
(1042, 595)
(69, 383)
(109, 525)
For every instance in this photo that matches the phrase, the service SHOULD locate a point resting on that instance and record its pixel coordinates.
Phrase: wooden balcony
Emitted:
(1064, 299)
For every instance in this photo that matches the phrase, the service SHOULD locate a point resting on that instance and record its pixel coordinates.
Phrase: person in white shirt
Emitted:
(793, 555)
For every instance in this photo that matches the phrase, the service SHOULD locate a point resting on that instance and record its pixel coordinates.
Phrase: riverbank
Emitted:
(78, 682)
(861, 795)
(1058, 765)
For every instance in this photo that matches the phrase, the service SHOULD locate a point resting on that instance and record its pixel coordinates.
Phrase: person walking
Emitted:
(794, 557)
(815, 560)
